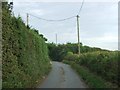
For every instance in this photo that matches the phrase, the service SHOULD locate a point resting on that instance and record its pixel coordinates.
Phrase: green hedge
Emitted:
(71, 57)
(92, 80)
(25, 55)
(103, 63)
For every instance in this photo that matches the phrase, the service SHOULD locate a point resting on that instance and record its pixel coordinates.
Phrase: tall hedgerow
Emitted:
(25, 56)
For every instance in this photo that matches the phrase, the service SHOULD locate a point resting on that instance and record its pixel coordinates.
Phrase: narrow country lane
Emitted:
(62, 76)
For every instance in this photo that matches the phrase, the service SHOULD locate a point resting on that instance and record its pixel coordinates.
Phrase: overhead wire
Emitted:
(81, 7)
(57, 20)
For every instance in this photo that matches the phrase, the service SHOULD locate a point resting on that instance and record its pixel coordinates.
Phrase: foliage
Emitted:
(71, 57)
(101, 63)
(25, 56)
(105, 64)
(57, 53)
(92, 80)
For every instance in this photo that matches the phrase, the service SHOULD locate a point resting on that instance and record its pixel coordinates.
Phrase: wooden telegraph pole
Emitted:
(56, 39)
(27, 19)
(78, 35)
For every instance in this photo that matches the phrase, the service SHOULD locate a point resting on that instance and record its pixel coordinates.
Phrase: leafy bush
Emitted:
(57, 53)
(92, 80)
(71, 57)
(25, 56)
(103, 63)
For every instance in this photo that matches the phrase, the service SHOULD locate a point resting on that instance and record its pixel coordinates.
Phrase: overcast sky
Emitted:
(98, 21)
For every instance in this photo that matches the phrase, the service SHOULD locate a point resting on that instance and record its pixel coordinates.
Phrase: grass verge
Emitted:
(92, 80)
(41, 79)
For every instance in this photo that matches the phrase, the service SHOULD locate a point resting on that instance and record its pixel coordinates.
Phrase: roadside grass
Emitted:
(92, 80)
(41, 78)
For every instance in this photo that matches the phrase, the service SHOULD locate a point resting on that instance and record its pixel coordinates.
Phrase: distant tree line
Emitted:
(57, 53)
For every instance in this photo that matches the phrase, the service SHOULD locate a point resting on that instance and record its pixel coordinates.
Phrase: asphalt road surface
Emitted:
(62, 76)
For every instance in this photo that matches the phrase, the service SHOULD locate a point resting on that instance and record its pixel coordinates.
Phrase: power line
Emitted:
(60, 19)
(81, 7)
(53, 20)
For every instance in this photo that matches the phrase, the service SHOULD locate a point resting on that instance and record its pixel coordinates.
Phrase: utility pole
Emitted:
(27, 19)
(78, 35)
(56, 39)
